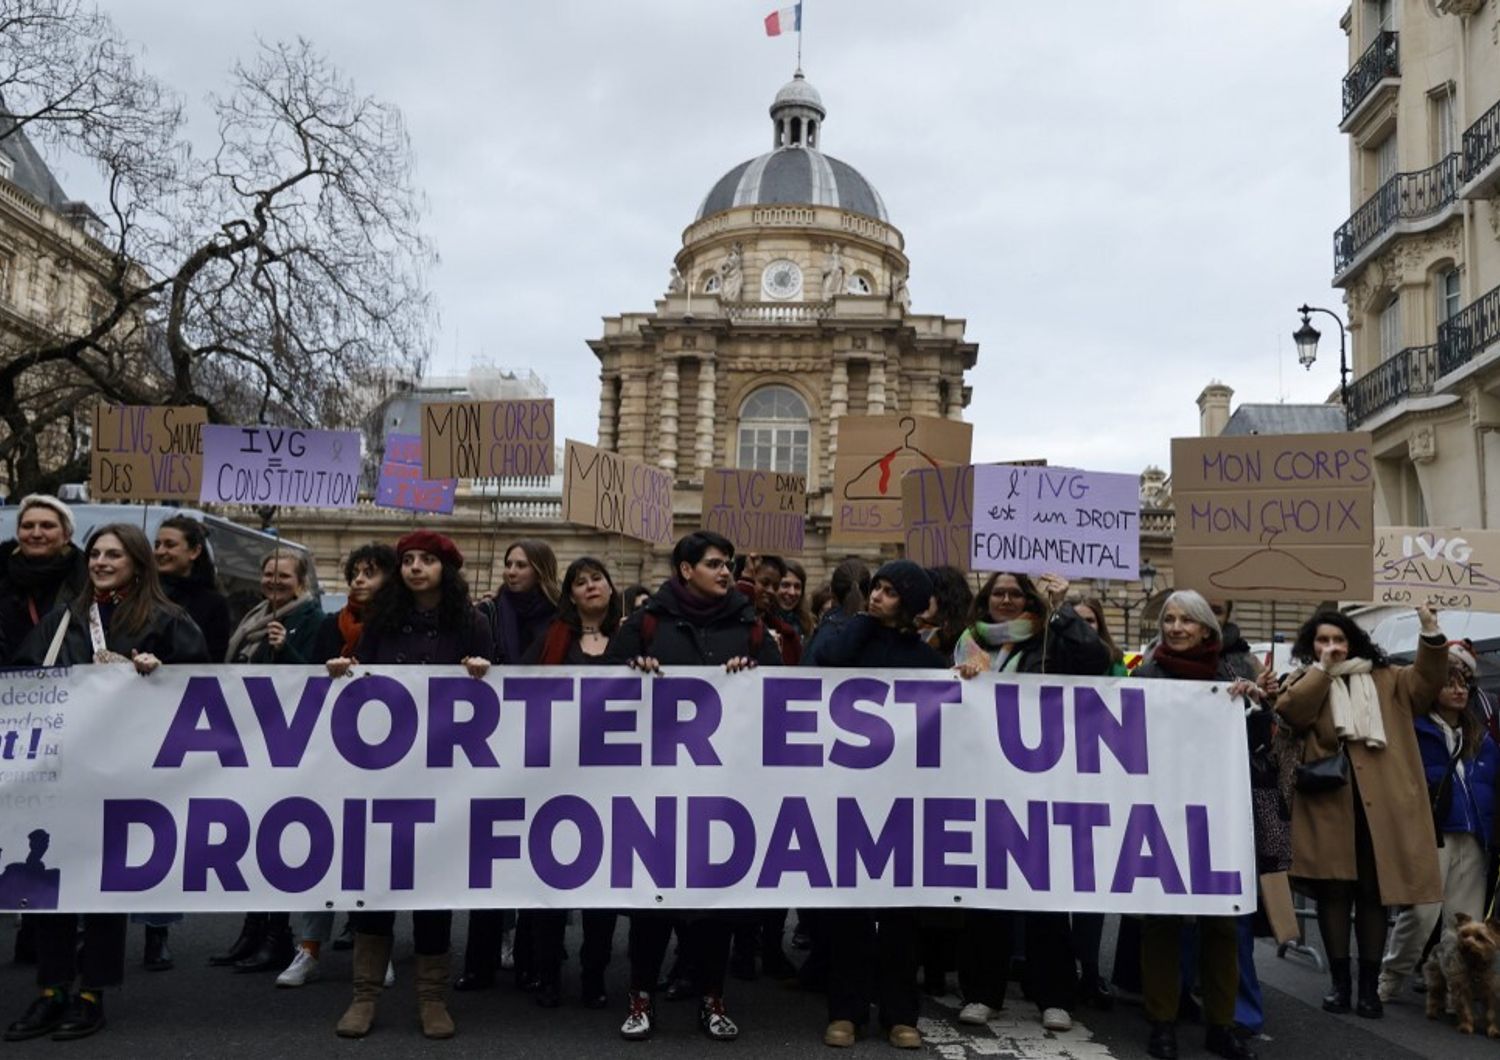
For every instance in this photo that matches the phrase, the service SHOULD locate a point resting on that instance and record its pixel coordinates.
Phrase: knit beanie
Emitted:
(440, 545)
(913, 586)
(46, 500)
(1462, 652)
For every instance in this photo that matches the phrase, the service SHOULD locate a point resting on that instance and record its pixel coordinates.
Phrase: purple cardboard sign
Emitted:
(401, 483)
(1056, 520)
(285, 466)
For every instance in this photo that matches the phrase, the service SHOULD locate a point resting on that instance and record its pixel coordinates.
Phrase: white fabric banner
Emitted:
(220, 788)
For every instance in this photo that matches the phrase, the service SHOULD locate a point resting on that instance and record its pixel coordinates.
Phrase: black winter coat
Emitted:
(17, 605)
(172, 637)
(419, 640)
(208, 609)
(863, 642)
(679, 641)
(1070, 646)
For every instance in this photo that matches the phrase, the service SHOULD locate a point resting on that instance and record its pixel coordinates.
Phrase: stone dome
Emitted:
(795, 172)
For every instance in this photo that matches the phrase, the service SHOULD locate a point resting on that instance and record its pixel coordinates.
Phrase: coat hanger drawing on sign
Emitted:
(1269, 567)
(875, 480)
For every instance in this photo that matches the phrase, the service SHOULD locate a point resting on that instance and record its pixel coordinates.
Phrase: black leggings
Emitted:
(430, 928)
(1337, 898)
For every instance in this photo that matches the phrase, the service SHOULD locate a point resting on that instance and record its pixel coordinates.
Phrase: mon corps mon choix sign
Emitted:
(146, 452)
(611, 492)
(488, 439)
(1274, 517)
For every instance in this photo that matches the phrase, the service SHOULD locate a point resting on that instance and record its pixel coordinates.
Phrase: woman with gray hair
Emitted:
(1191, 648)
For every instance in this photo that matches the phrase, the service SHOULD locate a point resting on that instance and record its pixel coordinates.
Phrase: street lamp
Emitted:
(1306, 337)
(1127, 605)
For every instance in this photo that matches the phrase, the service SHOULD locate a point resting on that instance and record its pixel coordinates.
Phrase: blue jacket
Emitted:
(1473, 794)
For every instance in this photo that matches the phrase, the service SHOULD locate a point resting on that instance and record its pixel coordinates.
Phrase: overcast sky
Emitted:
(1124, 200)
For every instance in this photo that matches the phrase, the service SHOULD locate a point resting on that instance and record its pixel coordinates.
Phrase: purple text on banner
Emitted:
(1055, 520)
(281, 465)
(401, 483)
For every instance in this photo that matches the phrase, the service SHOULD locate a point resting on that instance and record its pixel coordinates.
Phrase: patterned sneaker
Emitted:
(715, 1021)
(640, 1017)
(302, 970)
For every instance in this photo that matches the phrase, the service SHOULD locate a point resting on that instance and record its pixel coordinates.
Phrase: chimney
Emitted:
(1213, 409)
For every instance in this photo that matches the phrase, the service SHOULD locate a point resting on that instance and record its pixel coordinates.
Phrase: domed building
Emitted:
(787, 309)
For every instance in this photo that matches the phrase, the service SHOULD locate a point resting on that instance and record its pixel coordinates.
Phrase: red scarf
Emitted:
(351, 625)
(559, 642)
(1197, 664)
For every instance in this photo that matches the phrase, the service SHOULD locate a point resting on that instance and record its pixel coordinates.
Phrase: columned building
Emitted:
(1418, 258)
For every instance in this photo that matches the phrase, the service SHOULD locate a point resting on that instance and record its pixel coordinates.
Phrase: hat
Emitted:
(440, 545)
(46, 500)
(1462, 652)
(913, 586)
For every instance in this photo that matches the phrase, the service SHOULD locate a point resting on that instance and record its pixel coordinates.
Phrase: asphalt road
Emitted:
(197, 1011)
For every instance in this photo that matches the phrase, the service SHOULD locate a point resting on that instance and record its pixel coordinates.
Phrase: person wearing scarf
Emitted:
(1370, 842)
(697, 618)
(1021, 625)
(760, 584)
(39, 569)
(122, 619)
(190, 581)
(1191, 648)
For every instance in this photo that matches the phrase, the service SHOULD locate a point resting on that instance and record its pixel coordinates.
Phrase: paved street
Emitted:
(196, 1011)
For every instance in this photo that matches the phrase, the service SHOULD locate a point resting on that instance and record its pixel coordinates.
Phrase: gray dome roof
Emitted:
(798, 91)
(798, 176)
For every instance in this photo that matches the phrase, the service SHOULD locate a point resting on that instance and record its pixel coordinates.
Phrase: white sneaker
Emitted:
(1057, 1019)
(1390, 986)
(975, 1012)
(390, 973)
(508, 949)
(302, 970)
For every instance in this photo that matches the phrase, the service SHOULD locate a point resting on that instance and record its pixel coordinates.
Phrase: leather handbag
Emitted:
(1323, 774)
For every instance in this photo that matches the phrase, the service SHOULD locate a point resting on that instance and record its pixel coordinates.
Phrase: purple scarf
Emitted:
(519, 619)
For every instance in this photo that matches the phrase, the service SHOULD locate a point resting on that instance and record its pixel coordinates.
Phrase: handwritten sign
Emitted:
(146, 452)
(610, 492)
(1039, 520)
(874, 453)
(1446, 568)
(1274, 517)
(280, 465)
(488, 439)
(759, 511)
(937, 511)
(401, 483)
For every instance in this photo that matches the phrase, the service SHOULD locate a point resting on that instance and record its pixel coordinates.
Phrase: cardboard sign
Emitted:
(401, 483)
(1445, 568)
(937, 510)
(1040, 520)
(283, 466)
(874, 453)
(1274, 517)
(488, 439)
(610, 492)
(759, 511)
(147, 452)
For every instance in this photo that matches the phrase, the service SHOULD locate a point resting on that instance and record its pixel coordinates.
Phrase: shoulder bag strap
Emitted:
(55, 648)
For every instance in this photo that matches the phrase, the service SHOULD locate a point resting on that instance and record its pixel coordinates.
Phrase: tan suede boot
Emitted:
(432, 996)
(371, 954)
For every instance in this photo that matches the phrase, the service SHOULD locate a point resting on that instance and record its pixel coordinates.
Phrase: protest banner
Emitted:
(1274, 517)
(937, 511)
(280, 465)
(874, 452)
(610, 492)
(1041, 520)
(401, 484)
(146, 452)
(1451, 569)
(758, 511)
(255, 788)
(488, 439)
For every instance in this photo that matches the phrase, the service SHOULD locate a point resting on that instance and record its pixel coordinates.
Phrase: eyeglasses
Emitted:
(1008, 594)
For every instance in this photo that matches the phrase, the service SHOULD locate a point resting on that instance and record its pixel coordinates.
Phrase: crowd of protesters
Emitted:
(1373, 783)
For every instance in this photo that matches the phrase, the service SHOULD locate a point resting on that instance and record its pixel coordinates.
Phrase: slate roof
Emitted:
(1285, 419)
(30, 173)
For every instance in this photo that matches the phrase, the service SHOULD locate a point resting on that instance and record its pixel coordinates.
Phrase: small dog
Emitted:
(1464, 970)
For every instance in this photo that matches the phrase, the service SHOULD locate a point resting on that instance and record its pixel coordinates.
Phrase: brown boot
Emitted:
(432, 994)
(371, 954)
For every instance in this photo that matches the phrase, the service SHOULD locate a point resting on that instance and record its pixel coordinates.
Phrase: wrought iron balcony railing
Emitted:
(1409, 372)
(1482, 142)
(1467, 333)
(1380, 60)
(1405, 197)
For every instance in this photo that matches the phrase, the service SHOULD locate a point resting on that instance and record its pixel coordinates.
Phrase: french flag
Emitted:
(787, 20)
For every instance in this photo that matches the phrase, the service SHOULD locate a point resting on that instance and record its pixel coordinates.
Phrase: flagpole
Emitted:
(799, 36)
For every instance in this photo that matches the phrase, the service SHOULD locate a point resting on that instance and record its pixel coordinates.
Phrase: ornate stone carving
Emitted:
(834, 279)
(674, 281)
(1494, 205)
(900, 294)
(1462, 8)
(1421, 447)
(732, 274)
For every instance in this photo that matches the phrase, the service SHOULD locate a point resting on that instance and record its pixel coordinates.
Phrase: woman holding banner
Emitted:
(589, 614)
(40, 569)
(420, 618)
(1018, 625)
(123, 618)
(1362, 831)
(1191, 648)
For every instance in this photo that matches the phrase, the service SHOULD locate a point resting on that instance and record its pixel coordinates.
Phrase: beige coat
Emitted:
(1390, 781)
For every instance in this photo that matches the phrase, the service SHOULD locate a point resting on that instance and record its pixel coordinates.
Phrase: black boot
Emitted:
(43, 1016)
(272, 955)
(1163, 1041)
(251, 933)
(158, 953)
(85, 1016)
(1222, 1041)
(1369, 991)
(1337, 1000)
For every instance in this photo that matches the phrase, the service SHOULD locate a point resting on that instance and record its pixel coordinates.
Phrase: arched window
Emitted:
(774, 431)
(711, 284)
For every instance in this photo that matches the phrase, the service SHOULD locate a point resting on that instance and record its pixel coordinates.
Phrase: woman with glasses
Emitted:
(1460, 760)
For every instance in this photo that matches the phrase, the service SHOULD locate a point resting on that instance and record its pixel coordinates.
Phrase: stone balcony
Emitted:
(1405, 204)
(1481, 143)
(1374, 76)
(1408, 373)
(1469, 333)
